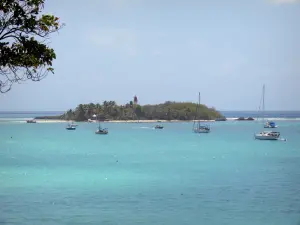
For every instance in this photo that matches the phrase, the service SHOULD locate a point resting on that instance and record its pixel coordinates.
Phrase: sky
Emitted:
(169, 50)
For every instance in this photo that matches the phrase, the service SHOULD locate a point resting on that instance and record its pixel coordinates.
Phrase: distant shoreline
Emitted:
(23, 120)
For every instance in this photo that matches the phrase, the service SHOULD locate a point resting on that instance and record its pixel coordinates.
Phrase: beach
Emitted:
(48, 121)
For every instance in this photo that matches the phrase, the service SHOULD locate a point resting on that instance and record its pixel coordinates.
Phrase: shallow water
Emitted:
(139, 175)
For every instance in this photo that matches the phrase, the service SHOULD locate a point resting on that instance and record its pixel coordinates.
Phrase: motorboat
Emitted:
(159, 127)
(221, 119)
(270, 124)
(31, 121)
(267, 135)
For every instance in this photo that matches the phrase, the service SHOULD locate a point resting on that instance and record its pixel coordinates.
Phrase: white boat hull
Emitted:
(267, 135)
(201, 131)
(267, 126)
(262, 137)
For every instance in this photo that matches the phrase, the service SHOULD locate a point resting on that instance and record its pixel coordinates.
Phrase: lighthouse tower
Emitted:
(135, 100)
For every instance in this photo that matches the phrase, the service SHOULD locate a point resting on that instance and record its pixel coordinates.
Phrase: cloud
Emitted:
(279, 2)
(120, 40)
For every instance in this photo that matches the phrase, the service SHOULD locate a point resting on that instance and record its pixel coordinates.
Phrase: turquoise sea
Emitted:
(139, 175)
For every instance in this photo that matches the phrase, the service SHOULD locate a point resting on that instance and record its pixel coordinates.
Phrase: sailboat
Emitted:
(268, 124)
(71, 126)
(266, 135)
(197, 127)
(101, 130)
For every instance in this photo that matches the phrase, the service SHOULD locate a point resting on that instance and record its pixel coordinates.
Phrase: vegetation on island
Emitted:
(24, 38)
(109, 110)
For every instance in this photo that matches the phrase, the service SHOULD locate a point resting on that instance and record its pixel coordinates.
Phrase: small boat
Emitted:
(202, 129)
(267, 135)
(221, 119)
(71, 127)
(270, 124)
(101, 130)
(197, 127)
(31, 121)
(159, 127)
(73, 124)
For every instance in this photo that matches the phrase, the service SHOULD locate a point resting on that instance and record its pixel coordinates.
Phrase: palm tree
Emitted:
(69, 114)
(112, 103)
(105, 104)
(92, 107)
(98, 108)
(80, 106)
(121, 111)
(79, 114)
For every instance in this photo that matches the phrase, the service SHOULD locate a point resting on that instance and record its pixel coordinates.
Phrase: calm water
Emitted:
(17, 116)
(254, 114)
(138, 175)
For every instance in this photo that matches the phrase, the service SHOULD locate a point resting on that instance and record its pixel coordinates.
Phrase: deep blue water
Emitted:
(139, 175)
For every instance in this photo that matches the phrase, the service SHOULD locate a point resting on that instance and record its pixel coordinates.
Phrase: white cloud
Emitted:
(119, 40)
(284, 1)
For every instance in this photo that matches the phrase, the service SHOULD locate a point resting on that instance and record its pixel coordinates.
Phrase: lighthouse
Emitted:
(135, 100)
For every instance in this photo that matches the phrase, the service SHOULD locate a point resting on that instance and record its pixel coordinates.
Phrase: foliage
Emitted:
(80, 113)
(109, 110)
(24, 53)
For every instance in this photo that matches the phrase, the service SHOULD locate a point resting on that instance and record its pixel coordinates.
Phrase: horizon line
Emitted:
(221, 110)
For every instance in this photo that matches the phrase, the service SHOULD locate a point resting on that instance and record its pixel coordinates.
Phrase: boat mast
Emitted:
(199, 112)
(196, 116)
(263, 105)
(98, 122)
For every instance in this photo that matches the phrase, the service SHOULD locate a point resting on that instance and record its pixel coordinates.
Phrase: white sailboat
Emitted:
(266, 135)
(197, 127)
(268, 124)
(101, 130)
(71, 126)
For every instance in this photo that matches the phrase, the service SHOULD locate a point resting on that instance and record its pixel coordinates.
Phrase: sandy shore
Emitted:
(142, 121)
(154, 121)
(51, 121)
(121, 121)
(167, 121)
